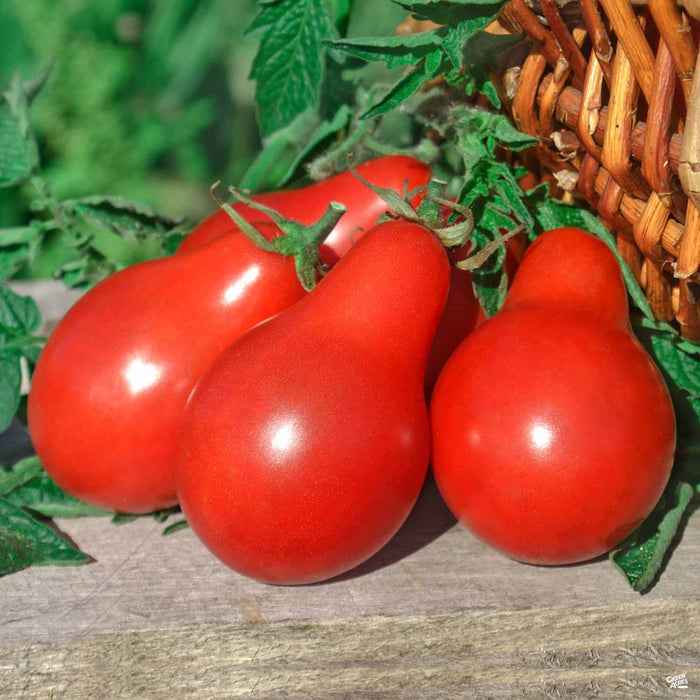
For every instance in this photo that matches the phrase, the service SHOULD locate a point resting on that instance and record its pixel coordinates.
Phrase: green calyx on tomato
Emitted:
(300, 241)
(430, 212)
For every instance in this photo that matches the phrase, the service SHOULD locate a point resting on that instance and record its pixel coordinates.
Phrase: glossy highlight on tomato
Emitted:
(110, 386)
(307, 204)
(553, 431)
(305, 445)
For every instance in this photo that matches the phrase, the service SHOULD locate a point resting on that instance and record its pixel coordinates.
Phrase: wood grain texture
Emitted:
(580, 653)
(434, 614)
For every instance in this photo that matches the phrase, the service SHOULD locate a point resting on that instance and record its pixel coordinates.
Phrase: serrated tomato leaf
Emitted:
(120, 216)
(481, 52)
(408, 84)
(18, 474)
(123, 518)
(17, 246)
(641, 555)
(10, 387)
(450, 12)
(436, 53)
(393, 51)
(287, 148)
(26, 542)
(19, 235)
(175, 527)
(41, 495)
(19, 318)
(290, 63)
(19, 315)
(681, 366)
(19, 156)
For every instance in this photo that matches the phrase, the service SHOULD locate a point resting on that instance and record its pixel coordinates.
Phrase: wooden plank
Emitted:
(583, 652)
(143, 581)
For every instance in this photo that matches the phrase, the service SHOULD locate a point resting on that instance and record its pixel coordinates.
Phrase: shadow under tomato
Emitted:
(14, 444)
(429, 519)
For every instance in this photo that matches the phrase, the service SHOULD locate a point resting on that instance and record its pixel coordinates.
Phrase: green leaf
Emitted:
(33, 86)
(175, 527)
(479, 133)
(453, 43)
(19, 156)
(490, 289)
(41, 495)
(11, 260)
(26, 542)
(121, 216)
(19, 318)
(123, 518)
(32, 352)
(393, 51)
(437, 52)
(641, 555)
(341, 14)
(18, 246)
(688, 347)
(17, 236)
(77, 274)
(285, 150)
(160, 516)
(681, 366)
(679, 363)
(19, 474)
(489, 282)
(407, 85)
(19, 315)
(290, 63)
(482, 51)
(509, 137)
(450, 12)
(10, 386)
(172, 241)
(104, 234)
(509, 195)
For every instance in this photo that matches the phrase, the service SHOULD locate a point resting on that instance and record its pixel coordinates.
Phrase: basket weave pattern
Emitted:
(609, 90)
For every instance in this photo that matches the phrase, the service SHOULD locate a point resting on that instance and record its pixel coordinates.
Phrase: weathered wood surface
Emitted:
(434, 614)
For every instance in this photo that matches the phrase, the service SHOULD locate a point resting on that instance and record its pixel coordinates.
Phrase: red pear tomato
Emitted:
(307, 204)
(110, 386)
(305, 445)
(553, 431)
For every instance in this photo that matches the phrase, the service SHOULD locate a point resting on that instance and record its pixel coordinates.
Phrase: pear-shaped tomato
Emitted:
(553, 431)
(305, 445)
(110, 386)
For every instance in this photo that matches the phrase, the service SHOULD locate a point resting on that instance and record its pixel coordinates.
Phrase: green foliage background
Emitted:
(147, 99)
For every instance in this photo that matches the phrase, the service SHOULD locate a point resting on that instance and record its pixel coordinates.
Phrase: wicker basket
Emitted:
(609, 91)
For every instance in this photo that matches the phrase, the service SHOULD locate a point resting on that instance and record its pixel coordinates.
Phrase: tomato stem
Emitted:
(479, 258)
(428, 215)
(297, 240)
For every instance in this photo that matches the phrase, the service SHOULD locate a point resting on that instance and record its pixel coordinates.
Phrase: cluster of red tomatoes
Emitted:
(292, 427)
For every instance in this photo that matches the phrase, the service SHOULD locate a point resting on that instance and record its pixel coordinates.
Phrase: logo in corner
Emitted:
(678, 681)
